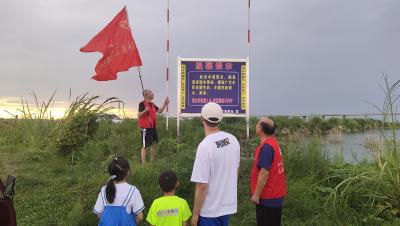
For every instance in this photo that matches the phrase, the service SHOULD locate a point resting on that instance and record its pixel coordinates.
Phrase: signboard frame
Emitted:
(179, 89)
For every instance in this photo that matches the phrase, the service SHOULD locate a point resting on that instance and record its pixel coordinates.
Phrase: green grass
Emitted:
(60, 187)
(53, 191)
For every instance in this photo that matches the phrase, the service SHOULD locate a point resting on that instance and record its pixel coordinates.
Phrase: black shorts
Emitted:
(151, 136)
(268, 216)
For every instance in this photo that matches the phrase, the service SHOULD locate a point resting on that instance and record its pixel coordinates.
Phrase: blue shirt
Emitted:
(265, 159)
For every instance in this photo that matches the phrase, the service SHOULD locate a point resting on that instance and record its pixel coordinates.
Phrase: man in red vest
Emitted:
(147, 115)
(268, 182)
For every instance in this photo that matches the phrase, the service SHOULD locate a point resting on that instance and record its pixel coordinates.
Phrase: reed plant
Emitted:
(370, 194)
(34, 127)
(80, 123)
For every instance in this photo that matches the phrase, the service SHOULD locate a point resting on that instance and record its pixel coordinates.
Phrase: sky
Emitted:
(306, 56)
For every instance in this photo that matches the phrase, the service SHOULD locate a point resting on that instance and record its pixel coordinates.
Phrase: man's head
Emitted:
(148, 95)
(265, 127)
(168, 181)
(211, 114)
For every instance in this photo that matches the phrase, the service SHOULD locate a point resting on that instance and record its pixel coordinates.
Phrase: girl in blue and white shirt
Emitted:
(119, 203)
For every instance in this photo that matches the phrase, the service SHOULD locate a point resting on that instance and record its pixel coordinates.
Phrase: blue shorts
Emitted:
(213, 221)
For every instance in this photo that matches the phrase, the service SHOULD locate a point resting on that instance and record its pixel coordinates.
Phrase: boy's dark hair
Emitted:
(167, 181)
(118, 167)
(267, 129)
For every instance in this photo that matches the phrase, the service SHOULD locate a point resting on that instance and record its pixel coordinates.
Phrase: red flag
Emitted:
(119, 50)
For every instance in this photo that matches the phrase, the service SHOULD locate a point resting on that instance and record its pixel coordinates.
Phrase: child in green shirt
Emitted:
(169, 210)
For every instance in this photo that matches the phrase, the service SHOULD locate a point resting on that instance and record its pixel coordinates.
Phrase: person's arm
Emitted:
(161, 110)
(142, 109)
(200, 175)
(264, 163)
(186, 214)
(139, 218)
(152, 215)
(99, 206)
(199, 197)
(140, 114)
(137, 205)
(261, 181)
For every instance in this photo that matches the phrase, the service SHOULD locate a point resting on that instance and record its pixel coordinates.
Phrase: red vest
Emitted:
(148, 119)
(276, 181)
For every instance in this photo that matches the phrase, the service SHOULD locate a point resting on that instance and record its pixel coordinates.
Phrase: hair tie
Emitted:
(113, 177)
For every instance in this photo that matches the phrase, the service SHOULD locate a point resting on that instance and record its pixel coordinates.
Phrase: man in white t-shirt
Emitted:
(215, 172)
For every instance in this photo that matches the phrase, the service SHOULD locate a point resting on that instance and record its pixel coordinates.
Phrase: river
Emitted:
(354, 147)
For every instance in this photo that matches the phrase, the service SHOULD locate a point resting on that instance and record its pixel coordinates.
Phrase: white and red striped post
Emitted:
(167, 67)
(248, 29)
(248, 69)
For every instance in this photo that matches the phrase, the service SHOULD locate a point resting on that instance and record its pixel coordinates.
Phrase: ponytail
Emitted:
(118, 169)
(110, 191)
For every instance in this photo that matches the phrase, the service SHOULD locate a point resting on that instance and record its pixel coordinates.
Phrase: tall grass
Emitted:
(80, 123)
(64, 193)
(51, 191)
(34, 127)
(371, 194)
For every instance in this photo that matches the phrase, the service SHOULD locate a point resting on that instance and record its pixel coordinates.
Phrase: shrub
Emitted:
(296, 123)
(80, 124)
(315, 124)
(166, 147)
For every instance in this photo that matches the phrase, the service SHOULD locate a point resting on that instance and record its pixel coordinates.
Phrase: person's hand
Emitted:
(195, 219)
(255, 199)
(146, 109)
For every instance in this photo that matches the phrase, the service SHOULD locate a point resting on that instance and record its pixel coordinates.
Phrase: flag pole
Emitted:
(140, 76)
(248, 61)
(138, 68)
(167, 68)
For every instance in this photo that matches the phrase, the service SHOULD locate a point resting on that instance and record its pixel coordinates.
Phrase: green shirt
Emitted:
(168, 211)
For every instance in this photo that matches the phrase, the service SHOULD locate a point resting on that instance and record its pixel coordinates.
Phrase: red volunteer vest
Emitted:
(148, 120)
(276, 182)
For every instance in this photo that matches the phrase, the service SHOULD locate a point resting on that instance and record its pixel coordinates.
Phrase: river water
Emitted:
(354, 147)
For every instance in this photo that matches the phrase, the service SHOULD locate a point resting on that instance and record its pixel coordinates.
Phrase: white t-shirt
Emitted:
(125, 195)
(217, 164)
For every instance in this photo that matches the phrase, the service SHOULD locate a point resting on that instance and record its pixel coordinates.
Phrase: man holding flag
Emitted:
(115, 42)
(147, 117)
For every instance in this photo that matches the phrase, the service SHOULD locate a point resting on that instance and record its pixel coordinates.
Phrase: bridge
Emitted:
(362, 115)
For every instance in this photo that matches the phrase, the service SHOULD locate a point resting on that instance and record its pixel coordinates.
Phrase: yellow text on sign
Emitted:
(243, 87)
(183, 86)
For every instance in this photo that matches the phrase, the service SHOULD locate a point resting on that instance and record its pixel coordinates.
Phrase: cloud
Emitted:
(307, 56)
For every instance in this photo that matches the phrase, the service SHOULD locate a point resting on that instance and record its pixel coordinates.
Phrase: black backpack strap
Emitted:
(1, 187)
(10, 187)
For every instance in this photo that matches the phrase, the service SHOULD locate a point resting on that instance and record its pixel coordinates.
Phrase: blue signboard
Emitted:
(213, 80)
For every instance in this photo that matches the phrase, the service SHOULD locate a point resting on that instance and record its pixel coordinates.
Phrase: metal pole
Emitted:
(178, 100)
(140, 76)
(247, 82)
(247, 109)
(167, 67)
(248, 29)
